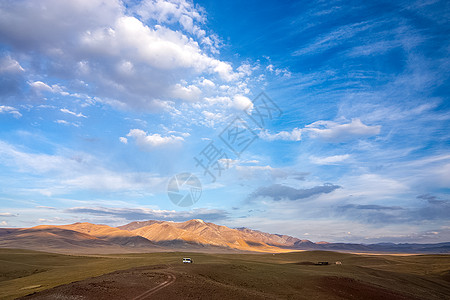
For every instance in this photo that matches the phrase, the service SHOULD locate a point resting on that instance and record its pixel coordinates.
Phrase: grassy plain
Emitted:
(231, 276)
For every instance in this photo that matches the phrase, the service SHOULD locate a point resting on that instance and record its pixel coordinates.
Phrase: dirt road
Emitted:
(170, 279)
(136, 284)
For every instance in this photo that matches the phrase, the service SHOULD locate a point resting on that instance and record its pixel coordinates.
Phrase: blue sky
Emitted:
(102, 102)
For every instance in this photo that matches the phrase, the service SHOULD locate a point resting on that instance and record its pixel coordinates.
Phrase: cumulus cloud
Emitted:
(207, 83)
(335, 132)
(241, 103)
(189, 93)
(125, 62)
(10, 110)
(133, 214)
(294, 135)
(40, 87)
(150, 141)
(329, 131)
(278, 192)
(182, 12)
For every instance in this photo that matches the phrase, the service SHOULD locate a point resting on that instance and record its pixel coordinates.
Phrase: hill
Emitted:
(192, 235)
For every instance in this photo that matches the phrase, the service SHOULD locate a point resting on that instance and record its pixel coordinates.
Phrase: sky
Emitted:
(324, 120)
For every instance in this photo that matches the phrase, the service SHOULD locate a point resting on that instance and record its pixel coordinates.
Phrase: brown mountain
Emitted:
(143, 236)
(200, 233)
(45, 238)
(76, 238)
(138, 224)
(193, 235)
(107, 233)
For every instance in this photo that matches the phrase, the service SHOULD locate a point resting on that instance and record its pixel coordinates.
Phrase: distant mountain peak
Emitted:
(198, 220)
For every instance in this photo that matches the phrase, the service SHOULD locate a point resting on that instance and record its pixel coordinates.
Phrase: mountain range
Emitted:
(192, 235)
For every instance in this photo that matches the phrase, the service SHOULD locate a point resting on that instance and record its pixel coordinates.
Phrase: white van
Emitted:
(187, 260)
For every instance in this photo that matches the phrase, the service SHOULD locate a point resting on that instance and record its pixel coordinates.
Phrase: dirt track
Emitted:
(137, 284)
(170, 279)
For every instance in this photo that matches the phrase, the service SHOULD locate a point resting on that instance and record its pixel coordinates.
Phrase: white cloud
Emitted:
(7, 214)
(127, 63)
(151, 214)
(9, 65)
(32, 162)
(64, 122)
(171, 12)
(212, 116)
(123, 140)
(150, 141)
(329, 160)
(294, 135)
(189, 93)
(335, 132)
(374, 186)
(40, 86)
(10, 110)
(207, 83)
(106, 180)
(241, 102)
(271, 68)
(79, 115)
(334, 38)
(328, 130)
(74, 171)
(245, 69)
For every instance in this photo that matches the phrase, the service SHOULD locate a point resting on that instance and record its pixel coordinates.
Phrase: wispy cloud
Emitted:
(64, 122)
(333, 38)
(329, 160)
(63, 174)
(133, 214)
(78, 115)
(7, 214)
(336, 132)
(278, 192)
(431, 210)
(10, 110)
(10, 65)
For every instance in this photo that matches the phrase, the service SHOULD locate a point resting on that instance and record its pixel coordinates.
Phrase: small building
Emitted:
(187, 260)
